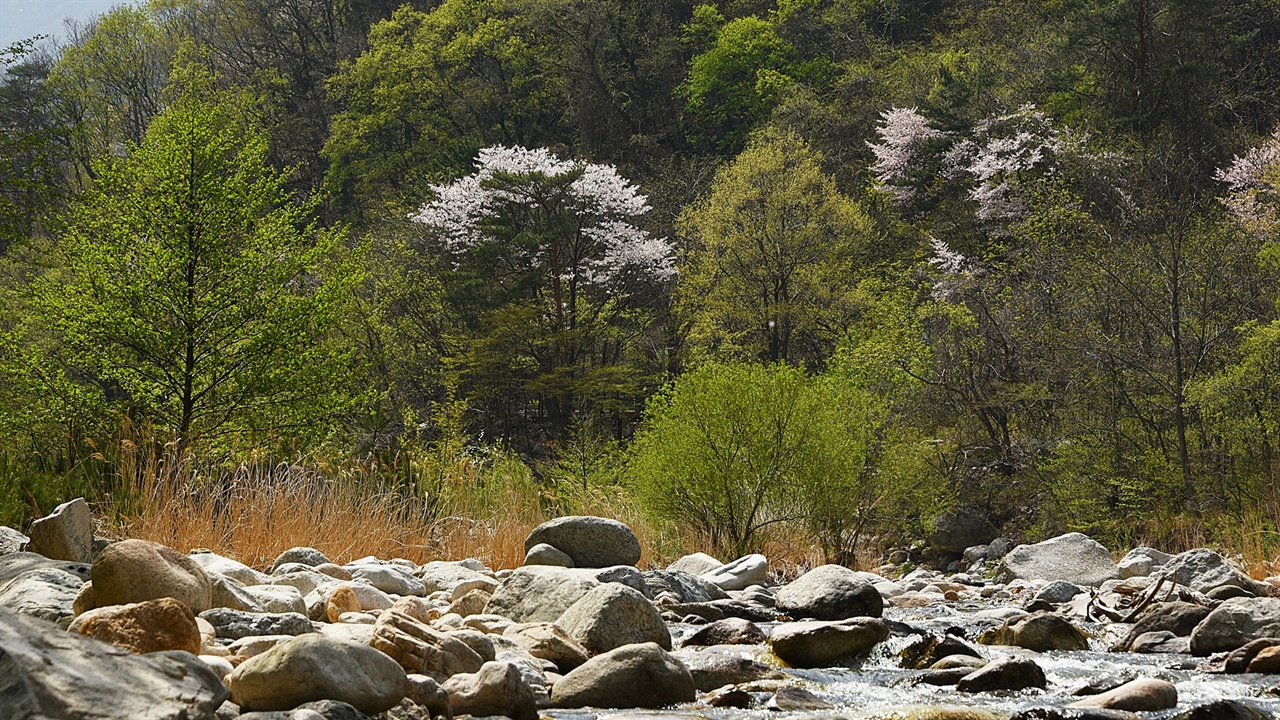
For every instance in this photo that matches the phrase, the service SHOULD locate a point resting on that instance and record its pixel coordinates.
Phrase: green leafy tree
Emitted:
(197, 291)
(772, 256)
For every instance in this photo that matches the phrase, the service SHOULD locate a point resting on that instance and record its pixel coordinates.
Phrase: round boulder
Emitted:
(133, 571)
(315, 667)
(829, 592)
(642, 675)
(591, 542)
(144, 627)
(818, 643)
(1074, 557)
(613, 615)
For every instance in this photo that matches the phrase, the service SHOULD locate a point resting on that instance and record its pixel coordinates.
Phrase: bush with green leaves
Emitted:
(735, 450)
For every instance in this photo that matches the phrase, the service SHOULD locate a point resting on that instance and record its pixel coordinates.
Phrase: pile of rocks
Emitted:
(133, 629)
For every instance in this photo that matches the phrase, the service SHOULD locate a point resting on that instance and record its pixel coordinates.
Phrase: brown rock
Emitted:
(150, 626)
(421, 649)
(471, 603)
(1266, 661)
(546, 641)
(132, 571)
(1138, 695)
(342, 600)
(1041, 631)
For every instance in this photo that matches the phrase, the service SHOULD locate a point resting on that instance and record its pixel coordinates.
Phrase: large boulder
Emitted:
(315, 667)
(64, 534)
(421, 649)
(1142, 695)
(132, 571)
(497, 688)
(235, 624)
(144, 627)
(613, 615)
(726, 631)
(1141, 561)
(1039, 631)
(48, 673)
(12, 541)
(687, 588)
(739, 574)
(695, 564)
(48, 593)
(1236, 622)
(592, 542)
(817, 643)
(1203, 570)
(1073, 557)
(1176, 618)
(829, 592)
(717, 666)
(547, 641)
(956, 531)
(641, 675)
(1004, 674)
(541, 593)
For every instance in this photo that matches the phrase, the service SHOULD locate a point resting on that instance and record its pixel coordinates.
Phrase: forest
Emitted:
(826, 276)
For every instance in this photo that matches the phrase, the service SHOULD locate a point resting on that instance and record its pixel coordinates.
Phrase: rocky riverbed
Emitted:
(136, 630)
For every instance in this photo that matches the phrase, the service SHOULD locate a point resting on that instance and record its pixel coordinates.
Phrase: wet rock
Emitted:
(64, 534)
(421, 649)
(592, 542)
(791, 697)
(642, 675)
(1236, 622)
(927, 650)
(829, 592)
(717, 666)
(1059, 713)
(1203, 570)
(1238, 660)
(1142, 694)
(728, 697)
(547, 641)
(235, 624)
(942, 677)
(1041, 632)
(729, 631)
(1177, 618)
(940, 712)
(133, 571)
(497, 688)
(314, 667)
(1005, 674)
(48, 593)
(958, 661)
(739, 574)
(46, 672)
(695, 564)
(150, 626)
(544, 554)
(1160, 641)
(1224, 710)
(1074, 557)
(613, 615)
(1267, 660)
(819, 643)
(301, 555)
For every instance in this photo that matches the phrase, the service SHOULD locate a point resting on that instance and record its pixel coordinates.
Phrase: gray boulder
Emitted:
(1236, 622)
(47, 593)
(213, 563)
(12, 541)
(447, 575)
(592, 542)
(739, 574)
(541, 593)
(1141, 561)
(829, 592)
(15, 564)
(1073, 557)
(132, 571)
(613, 615)
(1058, 591)
(643, 675)
(544, 554)
(64, 534)
(235, 624)
(302, 555)
(388, 578)
(1203, 570)
(695, 564)
(1178, 619)
(314, 667)
(47, 673)
(497, 688)
(688, 588)
(819, 643)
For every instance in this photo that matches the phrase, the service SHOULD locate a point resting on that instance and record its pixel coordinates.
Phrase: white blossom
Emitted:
(945, 259)
(1253, 182)
(903, 135)
(597, 243)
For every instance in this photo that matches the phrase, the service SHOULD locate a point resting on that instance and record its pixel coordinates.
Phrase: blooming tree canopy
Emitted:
(580, 213)
(1253, 182)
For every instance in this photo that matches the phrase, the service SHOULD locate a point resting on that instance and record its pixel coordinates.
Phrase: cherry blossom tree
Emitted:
(557, 239)
(1253, 183)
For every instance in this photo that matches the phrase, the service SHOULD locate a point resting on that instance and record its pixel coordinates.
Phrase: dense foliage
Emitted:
(891, 258)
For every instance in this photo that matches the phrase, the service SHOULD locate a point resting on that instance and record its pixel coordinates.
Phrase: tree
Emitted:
(196, 289)
(548, 257)
(772, 256)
